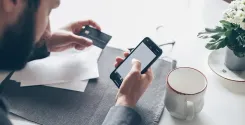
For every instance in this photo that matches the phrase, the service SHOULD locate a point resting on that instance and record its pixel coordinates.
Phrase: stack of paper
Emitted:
(67, 70)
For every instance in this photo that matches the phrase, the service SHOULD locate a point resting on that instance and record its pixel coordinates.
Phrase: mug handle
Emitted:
(190, 110)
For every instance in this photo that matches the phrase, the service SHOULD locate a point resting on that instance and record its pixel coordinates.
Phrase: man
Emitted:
(25, 35)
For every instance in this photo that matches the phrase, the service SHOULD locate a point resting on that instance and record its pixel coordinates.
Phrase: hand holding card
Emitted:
(99, 38)
(68, 37)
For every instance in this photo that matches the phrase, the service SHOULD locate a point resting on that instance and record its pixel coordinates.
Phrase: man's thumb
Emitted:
(136, 65)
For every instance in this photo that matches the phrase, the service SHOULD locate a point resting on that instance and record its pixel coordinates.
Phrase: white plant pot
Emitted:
(233, 62)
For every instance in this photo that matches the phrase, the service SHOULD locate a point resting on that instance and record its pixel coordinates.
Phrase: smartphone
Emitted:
(99, 38)
(147, 52)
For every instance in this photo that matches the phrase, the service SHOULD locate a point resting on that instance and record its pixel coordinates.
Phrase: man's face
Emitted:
(24, 24)
(42, 16)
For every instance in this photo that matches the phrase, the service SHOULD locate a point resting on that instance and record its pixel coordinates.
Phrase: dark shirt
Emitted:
(3, 113)
(118, 115)
(37, 53)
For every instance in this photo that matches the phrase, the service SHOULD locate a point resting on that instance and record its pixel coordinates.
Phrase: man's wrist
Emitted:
(124, 104)
(123, 101)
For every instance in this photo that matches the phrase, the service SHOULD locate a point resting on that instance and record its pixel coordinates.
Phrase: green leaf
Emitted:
(203, 32)
(216, 36)
(239, 30)
(226, 41)
(216, 29)
(203, 35)
(239, 54)
(241, 40)
(210, 46)
(232, 35)
(228, 33)
(220, 43)
(215, 33)
(209, 30)
(219, 29)
(212, 40)
(226, 24)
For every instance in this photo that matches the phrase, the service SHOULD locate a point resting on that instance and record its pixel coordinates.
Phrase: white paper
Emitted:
(79, 86)
(68, 66)
(3, 75)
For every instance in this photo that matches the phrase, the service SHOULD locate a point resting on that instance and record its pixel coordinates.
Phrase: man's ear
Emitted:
(9, 5)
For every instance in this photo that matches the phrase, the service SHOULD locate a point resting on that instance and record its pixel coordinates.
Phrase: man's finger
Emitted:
(80, 40)
(136, 66)
(149, 74)
(118, 61)
(126, 54)
(89, 22)
(116, 64)
(79, 47)
(62, 48)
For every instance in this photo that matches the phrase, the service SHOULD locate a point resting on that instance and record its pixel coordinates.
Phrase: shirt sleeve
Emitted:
(121, 115)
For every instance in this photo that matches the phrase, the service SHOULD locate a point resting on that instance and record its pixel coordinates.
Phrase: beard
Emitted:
(17, 41)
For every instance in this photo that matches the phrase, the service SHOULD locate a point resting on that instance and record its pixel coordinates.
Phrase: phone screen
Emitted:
(141, 53)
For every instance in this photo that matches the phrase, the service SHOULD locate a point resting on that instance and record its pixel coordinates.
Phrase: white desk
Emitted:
(221, 106)
(128, 21)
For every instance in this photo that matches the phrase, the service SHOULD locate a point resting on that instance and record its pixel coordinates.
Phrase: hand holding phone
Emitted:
(134, 84)
(147, 52)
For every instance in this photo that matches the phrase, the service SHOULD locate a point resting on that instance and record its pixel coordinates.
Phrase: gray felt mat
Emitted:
(52, 106)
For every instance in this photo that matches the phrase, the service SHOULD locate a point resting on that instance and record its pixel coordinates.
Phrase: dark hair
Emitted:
(32, 3)
(17, 40)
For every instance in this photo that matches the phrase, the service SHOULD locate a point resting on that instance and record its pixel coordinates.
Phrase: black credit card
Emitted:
(99, 38)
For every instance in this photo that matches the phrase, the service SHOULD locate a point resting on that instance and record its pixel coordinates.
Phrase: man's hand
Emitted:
(134, 84)
(67, 37)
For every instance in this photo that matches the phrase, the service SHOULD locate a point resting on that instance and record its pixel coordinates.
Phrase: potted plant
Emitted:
(231, 35)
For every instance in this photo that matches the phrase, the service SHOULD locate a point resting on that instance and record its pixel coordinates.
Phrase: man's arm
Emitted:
(122, 115)
(130, 91)
(3, 113)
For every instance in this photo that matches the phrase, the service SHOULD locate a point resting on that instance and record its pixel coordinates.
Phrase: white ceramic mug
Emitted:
(185, 92)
